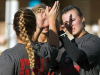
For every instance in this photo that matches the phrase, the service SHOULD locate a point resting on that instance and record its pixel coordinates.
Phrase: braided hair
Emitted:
(25, 25)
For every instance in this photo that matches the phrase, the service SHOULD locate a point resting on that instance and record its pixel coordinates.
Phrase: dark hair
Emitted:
(79, 13)
(25, 25)
(24, 19)
(66, 9)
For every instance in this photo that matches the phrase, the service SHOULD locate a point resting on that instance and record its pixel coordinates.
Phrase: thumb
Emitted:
(49, 8)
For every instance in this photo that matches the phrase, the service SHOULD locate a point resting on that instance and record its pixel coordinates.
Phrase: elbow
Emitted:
(81, 57)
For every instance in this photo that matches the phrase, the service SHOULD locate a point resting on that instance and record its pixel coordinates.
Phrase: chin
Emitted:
(45, 32)
(74, 34)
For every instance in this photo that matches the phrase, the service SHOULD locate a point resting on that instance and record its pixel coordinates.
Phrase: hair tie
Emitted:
(32, 70)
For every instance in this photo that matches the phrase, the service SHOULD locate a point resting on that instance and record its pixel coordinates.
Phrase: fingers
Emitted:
(57, 5)
(54, 6)
(41, 13)
(63, 28)
(70, 20)
(47, 10)
(57, 8)
(52, 13)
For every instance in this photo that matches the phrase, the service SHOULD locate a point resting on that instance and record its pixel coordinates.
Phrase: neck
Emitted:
(43, 38)
(81, 34)
(19, 41)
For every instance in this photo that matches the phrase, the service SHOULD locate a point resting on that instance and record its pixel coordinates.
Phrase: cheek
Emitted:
(79, 27)
(46, 23)
(77, 23)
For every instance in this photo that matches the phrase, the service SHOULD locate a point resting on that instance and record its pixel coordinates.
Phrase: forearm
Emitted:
(35, 36)
(53, 36)
(75, 54)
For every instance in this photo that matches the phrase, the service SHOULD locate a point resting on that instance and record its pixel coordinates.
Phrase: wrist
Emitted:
(52, 19)
(61, 34)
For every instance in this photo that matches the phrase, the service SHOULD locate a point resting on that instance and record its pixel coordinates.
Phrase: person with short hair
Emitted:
(83, 51)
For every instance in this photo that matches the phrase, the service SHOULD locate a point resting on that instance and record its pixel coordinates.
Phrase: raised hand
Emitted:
(68, 24)
(53, 13)
(39, 27)
(40, 24)
(63, 27)
(52, 16)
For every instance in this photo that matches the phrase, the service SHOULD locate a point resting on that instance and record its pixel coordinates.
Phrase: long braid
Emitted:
(25, 38)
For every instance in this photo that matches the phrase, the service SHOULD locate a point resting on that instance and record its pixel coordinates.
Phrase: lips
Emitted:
(73, 29)
(45, 29)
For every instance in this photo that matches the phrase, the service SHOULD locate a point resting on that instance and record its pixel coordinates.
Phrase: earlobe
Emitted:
(83, 19)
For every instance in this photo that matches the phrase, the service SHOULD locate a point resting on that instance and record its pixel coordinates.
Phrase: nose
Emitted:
(46, 23)
(72, 24)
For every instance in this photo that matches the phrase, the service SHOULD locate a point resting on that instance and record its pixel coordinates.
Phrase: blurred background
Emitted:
(90, 9)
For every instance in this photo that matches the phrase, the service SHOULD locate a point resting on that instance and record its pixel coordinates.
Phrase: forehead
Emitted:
(38, 15)
(70, 14)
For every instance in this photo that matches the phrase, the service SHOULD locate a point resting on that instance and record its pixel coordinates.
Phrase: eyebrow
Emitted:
(68, 21)
(65, 22)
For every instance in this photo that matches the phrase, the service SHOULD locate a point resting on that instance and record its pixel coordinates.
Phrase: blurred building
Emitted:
(90, 9)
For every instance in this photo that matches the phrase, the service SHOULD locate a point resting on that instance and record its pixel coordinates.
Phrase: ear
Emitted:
(83, 19)
(13, 27)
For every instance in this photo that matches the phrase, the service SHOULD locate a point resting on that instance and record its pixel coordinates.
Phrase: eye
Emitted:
(66, 23)
(72, 19)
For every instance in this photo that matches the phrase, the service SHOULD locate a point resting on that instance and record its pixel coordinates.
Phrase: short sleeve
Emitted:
(46, 50)
(91, 47)
(53, 51)
(6, 65)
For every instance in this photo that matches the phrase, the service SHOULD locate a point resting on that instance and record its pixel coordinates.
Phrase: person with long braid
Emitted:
(24, 58)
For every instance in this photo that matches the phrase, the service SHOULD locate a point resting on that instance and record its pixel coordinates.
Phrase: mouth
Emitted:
(73, 29)
(46, 28)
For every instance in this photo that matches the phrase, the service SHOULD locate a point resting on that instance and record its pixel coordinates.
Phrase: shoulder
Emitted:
(46, 48)
(92, 37)
(89, 38)
(15, 52)
(16, 48)
(46, 45)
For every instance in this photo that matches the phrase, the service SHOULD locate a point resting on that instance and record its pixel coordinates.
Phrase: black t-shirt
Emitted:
(90, 45)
